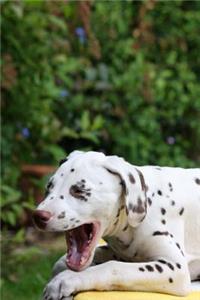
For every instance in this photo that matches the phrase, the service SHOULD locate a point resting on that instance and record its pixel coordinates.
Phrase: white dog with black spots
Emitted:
(149, 216)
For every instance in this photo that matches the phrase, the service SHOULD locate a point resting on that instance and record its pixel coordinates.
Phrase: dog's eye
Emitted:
(75, 191)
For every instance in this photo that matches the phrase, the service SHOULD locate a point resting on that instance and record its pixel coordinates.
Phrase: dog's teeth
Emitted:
(82, 260)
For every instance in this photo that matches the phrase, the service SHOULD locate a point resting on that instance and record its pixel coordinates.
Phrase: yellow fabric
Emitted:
(132, 296)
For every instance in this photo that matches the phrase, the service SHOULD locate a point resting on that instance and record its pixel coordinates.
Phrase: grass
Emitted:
(26, 275)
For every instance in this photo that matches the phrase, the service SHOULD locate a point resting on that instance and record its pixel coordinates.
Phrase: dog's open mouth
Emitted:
(80, 243)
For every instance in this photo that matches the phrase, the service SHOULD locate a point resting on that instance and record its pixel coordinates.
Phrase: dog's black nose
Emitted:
(41, 218)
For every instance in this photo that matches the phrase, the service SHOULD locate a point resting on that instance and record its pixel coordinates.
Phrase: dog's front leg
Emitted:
(152, 276)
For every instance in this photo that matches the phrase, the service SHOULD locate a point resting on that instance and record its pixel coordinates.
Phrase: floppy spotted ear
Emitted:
(133, 185)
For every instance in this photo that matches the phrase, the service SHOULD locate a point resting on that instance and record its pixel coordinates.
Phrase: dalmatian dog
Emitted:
(149, 216)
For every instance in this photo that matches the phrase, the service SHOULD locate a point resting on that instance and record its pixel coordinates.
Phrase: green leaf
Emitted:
(97, 123)
(85, 121)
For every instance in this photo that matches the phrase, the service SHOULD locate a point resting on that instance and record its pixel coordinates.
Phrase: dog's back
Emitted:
(175, 192)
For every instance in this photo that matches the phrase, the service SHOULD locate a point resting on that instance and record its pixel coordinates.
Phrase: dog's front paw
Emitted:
(62, 286)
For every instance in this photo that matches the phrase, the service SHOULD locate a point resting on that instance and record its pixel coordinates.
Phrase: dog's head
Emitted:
(82, 199)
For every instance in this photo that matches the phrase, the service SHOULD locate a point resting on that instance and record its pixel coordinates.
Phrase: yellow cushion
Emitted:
(132, 296)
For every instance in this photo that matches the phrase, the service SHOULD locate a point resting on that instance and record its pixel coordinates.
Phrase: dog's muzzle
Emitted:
(41, 218)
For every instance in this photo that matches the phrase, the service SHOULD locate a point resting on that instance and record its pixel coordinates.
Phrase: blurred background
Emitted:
(120, 77)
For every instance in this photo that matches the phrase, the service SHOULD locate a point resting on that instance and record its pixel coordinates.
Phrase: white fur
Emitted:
(135, 231)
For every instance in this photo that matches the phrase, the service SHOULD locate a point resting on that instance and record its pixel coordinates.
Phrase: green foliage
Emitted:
(26, 273)
(11, 205)
(122, 77)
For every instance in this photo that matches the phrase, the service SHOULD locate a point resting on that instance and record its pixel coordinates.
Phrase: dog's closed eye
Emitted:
(79, 191)
(75, 191)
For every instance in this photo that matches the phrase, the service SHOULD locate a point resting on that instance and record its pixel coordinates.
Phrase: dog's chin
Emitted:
(81, 243)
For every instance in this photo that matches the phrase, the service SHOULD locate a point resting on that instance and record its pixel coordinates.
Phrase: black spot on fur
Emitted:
(170, 280)
(182, 253)
(72, 170)
(170, 266)
(124, 188)
(159, 192)
(178, 265)
(153, 194)
(159, 268)
(140, 207)
(61, 197)
(162, 261)
(130, 206)
(170, 187)
(177, 244)
(125, 228)
(141, 180)
(61, 174)
(149, 268)
(197, 180)
(158, 168)
(62, 161)
(181, 211)
(149, 201)
(163, 211)
(160, 233)
(163, 222)
(141, 269)
(50, 186)
(118, 213)
(116, 222)
(173, 203)
(61, 215)
(131, 178)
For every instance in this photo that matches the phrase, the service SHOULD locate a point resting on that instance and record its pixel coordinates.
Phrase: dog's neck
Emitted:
(118, 220)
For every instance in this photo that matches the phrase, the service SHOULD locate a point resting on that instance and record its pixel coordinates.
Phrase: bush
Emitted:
(121, 77)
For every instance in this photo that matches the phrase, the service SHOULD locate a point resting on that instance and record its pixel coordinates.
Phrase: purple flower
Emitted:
(64, 93)
(80, 32)
(171, 140)
(25, 132)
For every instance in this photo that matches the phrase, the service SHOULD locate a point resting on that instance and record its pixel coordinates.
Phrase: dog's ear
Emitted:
(133, 188)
